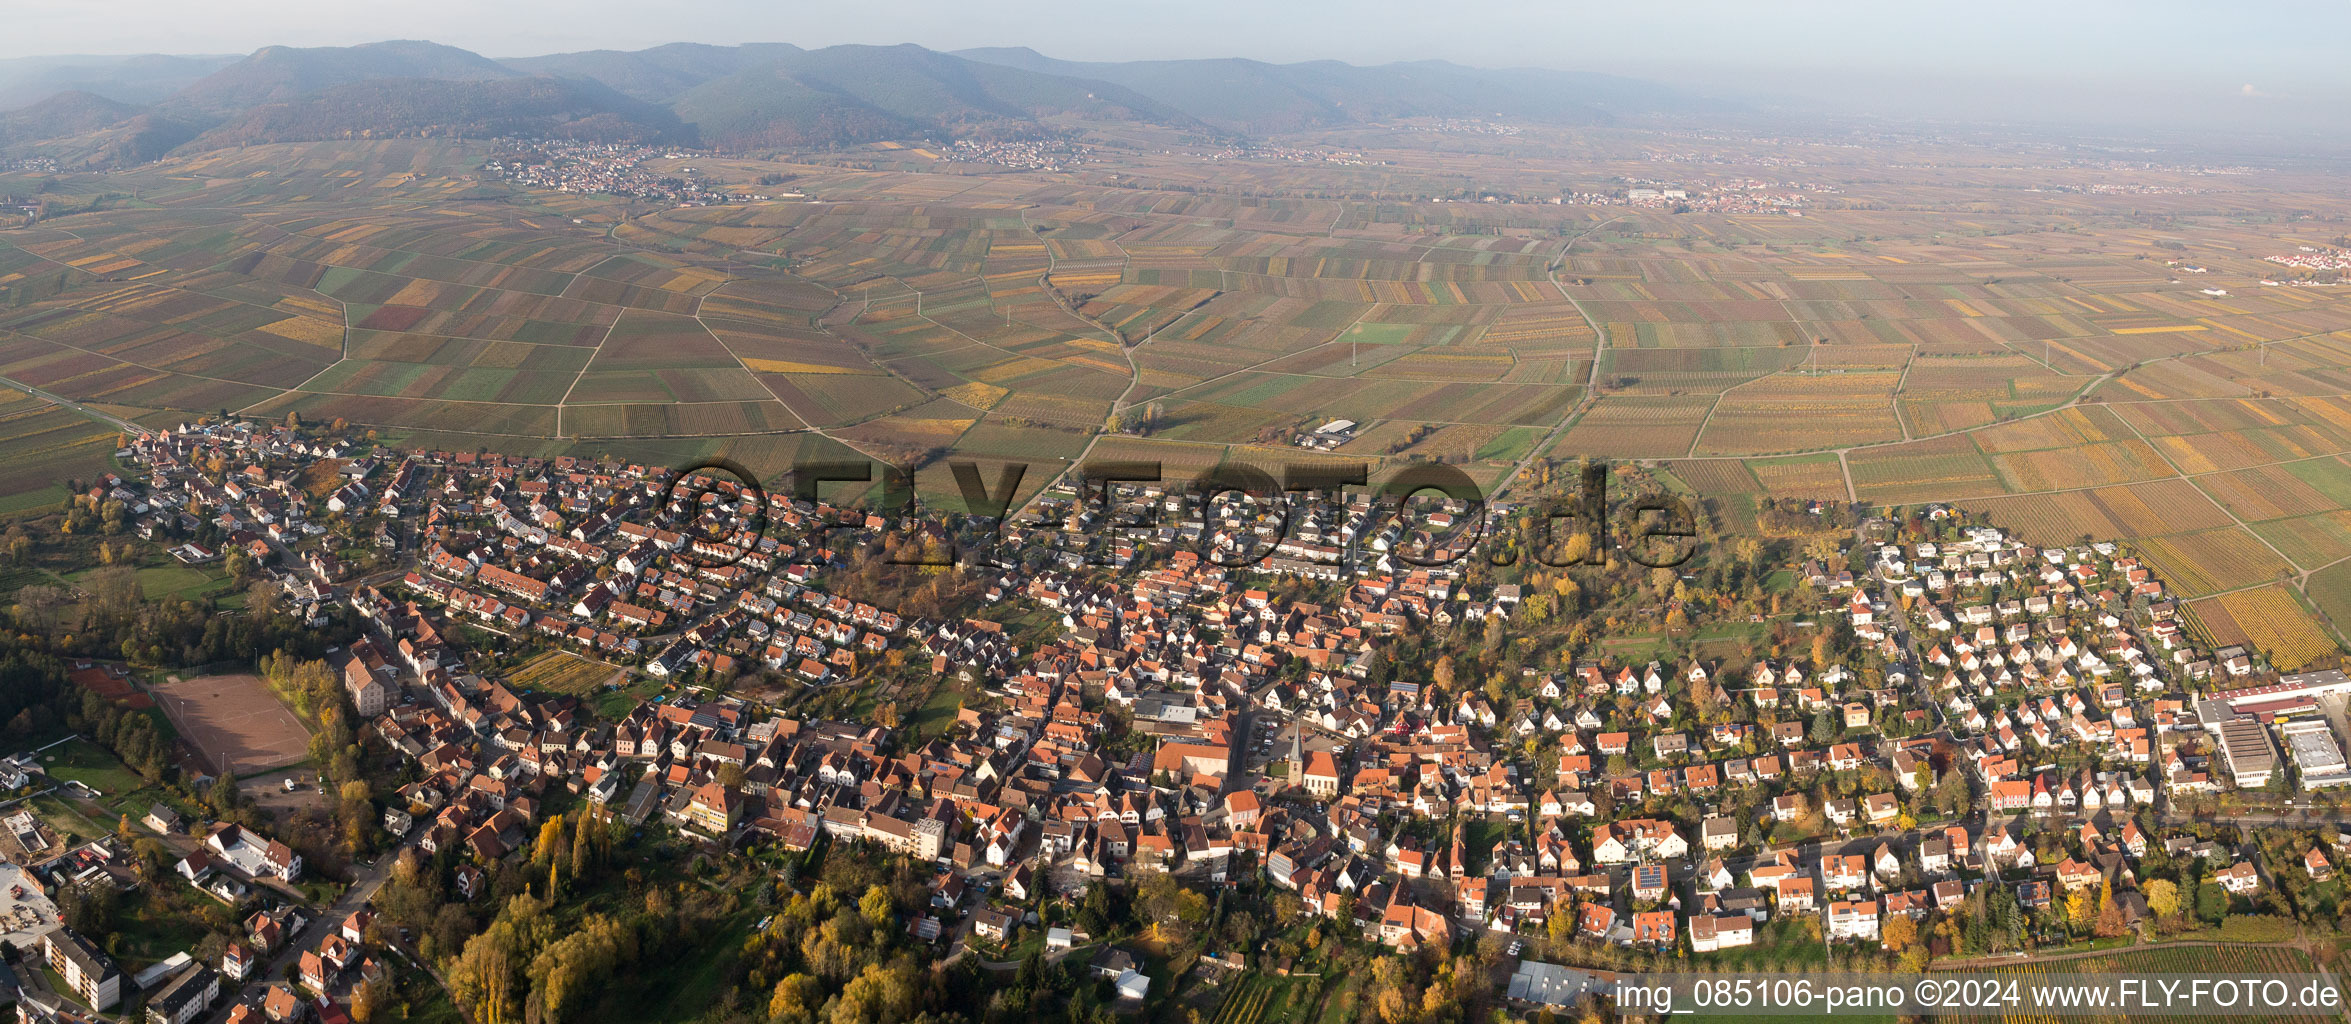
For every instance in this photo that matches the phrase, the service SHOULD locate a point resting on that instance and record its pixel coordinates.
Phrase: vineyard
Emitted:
(2330, 590)
(1941, 468)
(558, 672)
(1259, 998)
(2209, 561)
(2268, 619)
(1818, 477)
(2235, 960)
(2123, 511)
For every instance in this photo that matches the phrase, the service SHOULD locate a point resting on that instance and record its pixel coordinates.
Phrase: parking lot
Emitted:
(268, 792)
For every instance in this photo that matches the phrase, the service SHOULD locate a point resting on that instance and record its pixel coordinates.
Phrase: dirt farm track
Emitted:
(234, 717)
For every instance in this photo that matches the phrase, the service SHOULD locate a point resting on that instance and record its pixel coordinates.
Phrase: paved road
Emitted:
(1914, 664)
(312, 935)
(68, 403)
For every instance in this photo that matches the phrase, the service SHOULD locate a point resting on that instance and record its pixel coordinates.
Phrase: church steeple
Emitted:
(1298, 751)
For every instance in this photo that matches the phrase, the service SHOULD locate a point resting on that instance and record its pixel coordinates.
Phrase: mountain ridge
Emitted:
(757, 95)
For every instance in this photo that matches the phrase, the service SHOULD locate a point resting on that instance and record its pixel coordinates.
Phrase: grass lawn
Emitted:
(1731, 631)
(1784, 944)
(1028, 940)
(163, 579)
(56, 981)
(68, 820)
(936, 716)
(136, 803)
(1478, 836)
(1338, 1000)
(42, 500)
(2326, 895)
(1643, 647)
(89, 764)
(693, 984)
(18, 577)
(1791, 832)
(423, 998)
(614, 705)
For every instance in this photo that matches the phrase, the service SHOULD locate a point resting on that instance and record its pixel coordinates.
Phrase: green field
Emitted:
(936, 716)
(89, 764)
(160, 579)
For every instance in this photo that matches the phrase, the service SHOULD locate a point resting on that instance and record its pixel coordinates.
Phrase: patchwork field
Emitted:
(2016, 339)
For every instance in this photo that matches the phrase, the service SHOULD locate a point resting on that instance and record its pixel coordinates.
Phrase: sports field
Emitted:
(235, 720)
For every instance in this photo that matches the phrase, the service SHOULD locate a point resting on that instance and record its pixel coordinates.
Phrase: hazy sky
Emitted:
(2142, 58)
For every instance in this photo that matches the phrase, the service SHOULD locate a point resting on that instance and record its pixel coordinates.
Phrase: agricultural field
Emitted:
(1819, 477)
(1638, 427)
(2330, 592)
(2209, 561)
(560, 672)
(1936, 469)
(2015, 342)
(43, 445)
(2268, 619)
(1796, 413)
(2122, 511)
(2310, 541)
(2231, 959)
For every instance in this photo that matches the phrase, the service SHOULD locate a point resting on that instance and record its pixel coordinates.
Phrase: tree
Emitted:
(367, 1001)
(1900, 932)
(1914, 959)
(568, 975)
(585, 855)
(2080, 908)
(2109, 923)
(1561, 923)
(89, 907)
(1823, 550)
(2163, 897)
(875, 905)
(38, 607)
(879, 994)
(550, 842)
(796, 999)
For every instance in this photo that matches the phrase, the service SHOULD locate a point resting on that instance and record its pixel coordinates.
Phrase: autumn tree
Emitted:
(796, 999)
(568, 976)
(875, 906)
(1899, 933)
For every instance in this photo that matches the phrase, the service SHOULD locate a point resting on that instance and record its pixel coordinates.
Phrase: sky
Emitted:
(2133, 60)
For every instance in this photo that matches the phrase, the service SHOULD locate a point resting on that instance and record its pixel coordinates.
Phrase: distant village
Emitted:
(615, 169)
